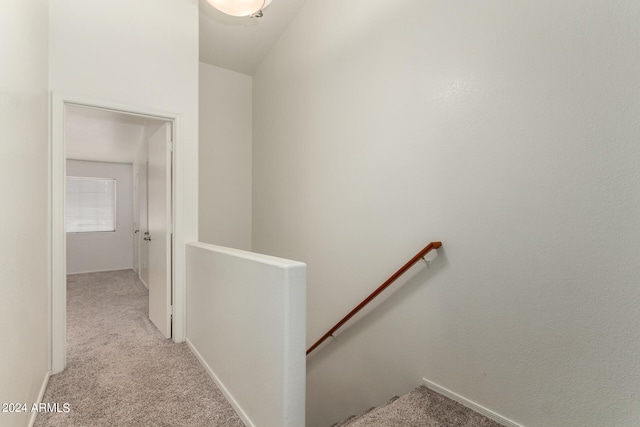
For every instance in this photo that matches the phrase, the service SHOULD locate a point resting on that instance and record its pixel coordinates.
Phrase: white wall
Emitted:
(225, 157)
(246, 324)
(508, 130)
(141, 54)
(89, 252)
(24, 253)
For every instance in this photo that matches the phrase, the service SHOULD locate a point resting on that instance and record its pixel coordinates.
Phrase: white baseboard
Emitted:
(143, 282)
(243, 416)
(471, 404)
(100, 271)
(32, 420)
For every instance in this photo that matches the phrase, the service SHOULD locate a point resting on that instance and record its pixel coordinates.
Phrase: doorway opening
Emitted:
(96, 141)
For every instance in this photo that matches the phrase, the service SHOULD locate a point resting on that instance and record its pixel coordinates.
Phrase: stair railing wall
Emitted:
(246, 323)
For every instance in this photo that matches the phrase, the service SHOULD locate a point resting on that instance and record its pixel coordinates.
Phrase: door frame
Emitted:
(57, 235)
(161, 146)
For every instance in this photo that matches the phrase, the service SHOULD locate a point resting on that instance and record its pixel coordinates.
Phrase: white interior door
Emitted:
(143, 221)
(159, 236)
(136, 223)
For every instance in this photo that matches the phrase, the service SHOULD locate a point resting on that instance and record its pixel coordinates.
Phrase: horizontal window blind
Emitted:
(90, 204)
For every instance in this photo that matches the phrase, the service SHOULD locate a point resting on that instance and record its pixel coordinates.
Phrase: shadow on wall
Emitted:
(393, 297)
(376, 340)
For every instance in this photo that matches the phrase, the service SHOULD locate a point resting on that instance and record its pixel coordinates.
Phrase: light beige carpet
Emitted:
(420, 408)
(121, 371)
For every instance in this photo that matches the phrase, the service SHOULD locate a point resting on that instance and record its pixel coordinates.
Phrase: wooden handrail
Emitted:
(385, 285)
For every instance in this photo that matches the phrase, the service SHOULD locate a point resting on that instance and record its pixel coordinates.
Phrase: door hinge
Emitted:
(170, 146)
(171, 310)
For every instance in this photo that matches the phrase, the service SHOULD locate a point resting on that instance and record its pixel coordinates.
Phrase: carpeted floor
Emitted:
(121, 371)
(420, 408)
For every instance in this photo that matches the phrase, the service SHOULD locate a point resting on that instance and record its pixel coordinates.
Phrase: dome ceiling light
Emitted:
(252, 8)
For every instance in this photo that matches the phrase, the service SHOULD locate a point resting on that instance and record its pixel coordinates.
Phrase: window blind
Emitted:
(90, 204)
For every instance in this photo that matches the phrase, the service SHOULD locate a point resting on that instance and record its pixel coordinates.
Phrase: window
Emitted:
(90, 204)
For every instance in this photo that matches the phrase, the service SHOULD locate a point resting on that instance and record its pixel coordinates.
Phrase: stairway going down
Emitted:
(421, 407)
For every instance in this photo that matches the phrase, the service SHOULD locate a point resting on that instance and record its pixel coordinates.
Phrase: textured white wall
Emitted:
(24, 253)
(246, 323)
(225, 157)
(88, 252)
(509, 131)
(142, 54)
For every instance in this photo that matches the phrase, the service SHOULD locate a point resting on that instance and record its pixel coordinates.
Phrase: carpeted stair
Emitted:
(421, 407)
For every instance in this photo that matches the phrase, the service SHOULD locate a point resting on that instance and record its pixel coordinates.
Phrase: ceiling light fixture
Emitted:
(252, 8)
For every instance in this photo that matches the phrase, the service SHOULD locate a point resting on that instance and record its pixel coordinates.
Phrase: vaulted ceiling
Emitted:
(240, 44)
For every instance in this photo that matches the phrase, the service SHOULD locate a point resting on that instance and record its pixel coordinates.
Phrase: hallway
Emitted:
(120, 370)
